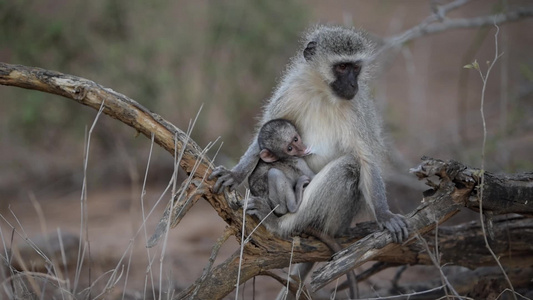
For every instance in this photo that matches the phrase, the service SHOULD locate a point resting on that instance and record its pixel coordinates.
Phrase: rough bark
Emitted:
(457, 188)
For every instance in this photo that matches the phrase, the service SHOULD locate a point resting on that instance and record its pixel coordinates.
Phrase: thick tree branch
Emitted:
(265, 251)
(457, 188)
(116, 105)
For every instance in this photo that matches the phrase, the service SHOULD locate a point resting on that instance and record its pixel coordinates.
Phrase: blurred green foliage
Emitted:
(248, 44)
(171, 56)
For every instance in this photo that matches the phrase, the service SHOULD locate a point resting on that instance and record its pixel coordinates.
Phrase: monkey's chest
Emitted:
(326, 142)
(324, 126)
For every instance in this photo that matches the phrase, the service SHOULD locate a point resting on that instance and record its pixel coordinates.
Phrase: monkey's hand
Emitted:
(394, 223)
(226, 178)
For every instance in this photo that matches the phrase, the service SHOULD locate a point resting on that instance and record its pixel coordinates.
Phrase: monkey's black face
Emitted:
(345, 85)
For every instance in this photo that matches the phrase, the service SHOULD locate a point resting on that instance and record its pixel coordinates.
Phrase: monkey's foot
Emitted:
(396, 224)
(302, 182)
(259, 208)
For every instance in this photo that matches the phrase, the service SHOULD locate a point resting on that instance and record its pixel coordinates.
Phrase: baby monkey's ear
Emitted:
(267, 156)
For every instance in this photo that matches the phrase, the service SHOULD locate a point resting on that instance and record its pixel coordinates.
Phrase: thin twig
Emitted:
(214, 252)
(259, 224)
(84, 226)
(484, 78)
(290, 265)
(246, 198)
(64, 260)
(434, 260)
(514, 292)
(429, 25)
(407, 296)
(143, 226)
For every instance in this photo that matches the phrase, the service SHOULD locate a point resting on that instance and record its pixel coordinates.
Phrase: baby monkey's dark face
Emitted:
(279, 139)
(295, 146)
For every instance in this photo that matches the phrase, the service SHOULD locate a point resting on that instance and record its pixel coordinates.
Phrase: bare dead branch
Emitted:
(438, 23)
(293, 285)
(374, 269)
(116, 105)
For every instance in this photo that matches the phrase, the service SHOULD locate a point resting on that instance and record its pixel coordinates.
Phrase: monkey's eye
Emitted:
(295, 138)
(341, 67)
(289, 148)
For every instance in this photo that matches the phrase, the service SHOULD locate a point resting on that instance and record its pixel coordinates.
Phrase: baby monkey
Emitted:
(281, 173)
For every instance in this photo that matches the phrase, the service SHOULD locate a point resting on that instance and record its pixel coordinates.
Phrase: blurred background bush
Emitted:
(171, 56)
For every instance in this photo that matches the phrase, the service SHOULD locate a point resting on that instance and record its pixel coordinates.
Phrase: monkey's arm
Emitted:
(395, 223)
(232, 178)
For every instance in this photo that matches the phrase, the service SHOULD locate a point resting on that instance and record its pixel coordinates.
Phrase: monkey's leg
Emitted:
(281, 191)
(336, 247)
(330, 201)
(373, 190)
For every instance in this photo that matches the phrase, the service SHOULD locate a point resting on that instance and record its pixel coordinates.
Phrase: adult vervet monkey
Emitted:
(325, 93)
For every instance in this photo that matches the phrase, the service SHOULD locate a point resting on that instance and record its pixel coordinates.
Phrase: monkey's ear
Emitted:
(310, 50)
(267, 156)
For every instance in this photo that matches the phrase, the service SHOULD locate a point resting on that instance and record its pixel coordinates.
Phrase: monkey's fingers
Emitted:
(216, 187)
(253, 210)
(405, 229)
(400, 223)
(394, 229)
(256, 207)
(222, 182)
(403, 233)
(253, 204)
(218, 171)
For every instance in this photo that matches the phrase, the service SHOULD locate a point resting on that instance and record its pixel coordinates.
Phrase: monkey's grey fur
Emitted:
(345, 134)
(281, 174)
(325, 93)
